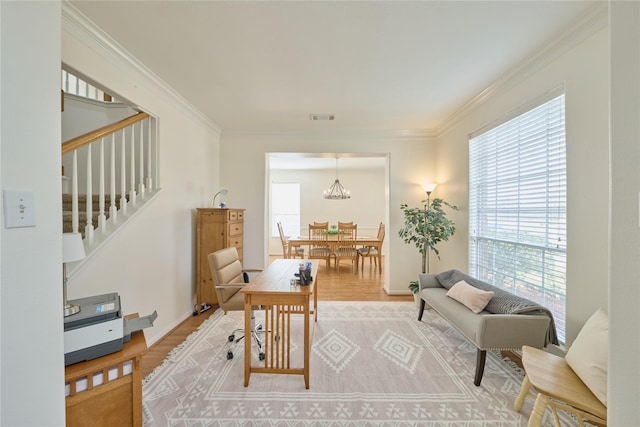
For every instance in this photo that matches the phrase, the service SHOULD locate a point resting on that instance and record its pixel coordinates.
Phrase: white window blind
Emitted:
(285, 208)
(517, 207)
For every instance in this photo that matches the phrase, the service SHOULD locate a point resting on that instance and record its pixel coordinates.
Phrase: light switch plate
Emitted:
(19, 209)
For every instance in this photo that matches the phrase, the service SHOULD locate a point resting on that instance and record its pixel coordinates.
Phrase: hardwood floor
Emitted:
(336, 285)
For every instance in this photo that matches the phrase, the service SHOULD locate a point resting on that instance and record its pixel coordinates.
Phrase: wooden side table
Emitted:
(107, 391)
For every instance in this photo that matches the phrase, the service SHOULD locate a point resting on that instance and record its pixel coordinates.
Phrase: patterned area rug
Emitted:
(372, 364)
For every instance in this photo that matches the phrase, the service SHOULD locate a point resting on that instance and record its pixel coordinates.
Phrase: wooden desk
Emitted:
(333, 242)
(114, 402)
(272, 290)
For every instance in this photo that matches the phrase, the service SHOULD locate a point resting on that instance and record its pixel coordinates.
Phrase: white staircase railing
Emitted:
(107, 152)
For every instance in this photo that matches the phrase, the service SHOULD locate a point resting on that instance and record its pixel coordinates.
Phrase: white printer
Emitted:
(99, 328)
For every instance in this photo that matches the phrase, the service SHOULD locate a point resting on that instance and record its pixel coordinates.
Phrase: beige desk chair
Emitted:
(228, 278)
(374, 252)
(319, 249)
(346, 247)
(295, 250)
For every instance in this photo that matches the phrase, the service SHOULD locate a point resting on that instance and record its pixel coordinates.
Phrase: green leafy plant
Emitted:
(333, 229)
(426, 227)
(414, 287)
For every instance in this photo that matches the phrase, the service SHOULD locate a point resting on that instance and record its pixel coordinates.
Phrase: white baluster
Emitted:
(123, 175)
(88, 229)
(74, 193)
(132, 192)
(149, 180)
(141, 162)
(113, 209)
(102, 218)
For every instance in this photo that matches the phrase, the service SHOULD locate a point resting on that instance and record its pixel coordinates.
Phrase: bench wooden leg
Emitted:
(422, 303)
(480, 359)
(524, 390)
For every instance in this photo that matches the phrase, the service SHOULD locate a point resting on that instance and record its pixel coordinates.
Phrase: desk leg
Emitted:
(247, 339)
(315, 301)
(306, 343)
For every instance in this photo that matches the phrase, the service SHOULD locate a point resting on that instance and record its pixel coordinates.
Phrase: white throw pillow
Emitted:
(473, 298)
(588, 356)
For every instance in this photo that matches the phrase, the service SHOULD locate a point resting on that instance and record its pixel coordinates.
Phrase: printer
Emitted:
(99, 328)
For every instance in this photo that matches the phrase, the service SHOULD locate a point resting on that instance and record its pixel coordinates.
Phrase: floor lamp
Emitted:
(428, 188)
(72, 250)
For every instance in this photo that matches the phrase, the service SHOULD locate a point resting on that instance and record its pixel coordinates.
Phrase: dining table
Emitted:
(332, 240)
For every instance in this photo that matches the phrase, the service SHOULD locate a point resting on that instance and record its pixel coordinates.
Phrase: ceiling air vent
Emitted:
(316, 117)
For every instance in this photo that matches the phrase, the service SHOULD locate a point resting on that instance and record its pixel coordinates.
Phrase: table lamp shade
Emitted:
(72, 247)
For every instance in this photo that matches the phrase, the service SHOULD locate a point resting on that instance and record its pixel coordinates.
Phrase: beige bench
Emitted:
(486, 330)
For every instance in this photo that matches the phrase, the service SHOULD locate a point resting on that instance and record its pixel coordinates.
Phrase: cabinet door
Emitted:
(212, 237)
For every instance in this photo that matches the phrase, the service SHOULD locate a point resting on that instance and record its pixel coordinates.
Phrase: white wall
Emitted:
(151, 262)
(82, 115)
(411, 162)
(31, 343)
(624, 292)
(584, 72)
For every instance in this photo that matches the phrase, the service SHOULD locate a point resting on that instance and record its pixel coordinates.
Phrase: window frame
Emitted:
(530, 262)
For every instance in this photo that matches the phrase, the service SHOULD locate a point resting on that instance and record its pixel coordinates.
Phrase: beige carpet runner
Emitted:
(372, 364)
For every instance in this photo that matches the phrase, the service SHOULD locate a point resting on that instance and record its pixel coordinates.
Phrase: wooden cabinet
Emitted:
(216, 228)
(107, 391)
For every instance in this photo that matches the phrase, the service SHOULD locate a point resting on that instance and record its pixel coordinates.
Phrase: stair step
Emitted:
(82, 202)
(67, 216)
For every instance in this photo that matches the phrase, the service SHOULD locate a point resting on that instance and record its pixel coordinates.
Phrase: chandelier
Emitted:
(337, 191)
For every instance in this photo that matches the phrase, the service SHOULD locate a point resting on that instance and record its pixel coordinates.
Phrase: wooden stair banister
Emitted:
(118, 167)
(94, 135)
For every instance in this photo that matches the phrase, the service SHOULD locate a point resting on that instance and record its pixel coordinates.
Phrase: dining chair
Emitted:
(346, 247)
(321, 224)
(319, 249)
(295, 250)
(373, 252)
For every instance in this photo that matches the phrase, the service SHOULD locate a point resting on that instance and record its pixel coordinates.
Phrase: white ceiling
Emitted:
(376, 65)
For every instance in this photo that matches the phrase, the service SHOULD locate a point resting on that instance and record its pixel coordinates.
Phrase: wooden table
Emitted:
(117, 401)
(333, 242)
(272, 290)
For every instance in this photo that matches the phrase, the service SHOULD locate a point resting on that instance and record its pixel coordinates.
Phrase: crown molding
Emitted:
(591, 22)
(86, 31)
(389, 134)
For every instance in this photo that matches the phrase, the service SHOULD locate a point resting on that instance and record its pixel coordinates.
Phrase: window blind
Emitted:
(517, 207)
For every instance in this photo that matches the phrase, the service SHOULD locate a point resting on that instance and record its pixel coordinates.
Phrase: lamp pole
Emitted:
(428, 188)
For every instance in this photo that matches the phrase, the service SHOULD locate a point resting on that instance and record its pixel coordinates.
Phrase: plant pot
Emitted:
(416, 298)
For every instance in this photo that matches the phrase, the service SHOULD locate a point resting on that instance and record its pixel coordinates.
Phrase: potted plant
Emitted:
(425, 227)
